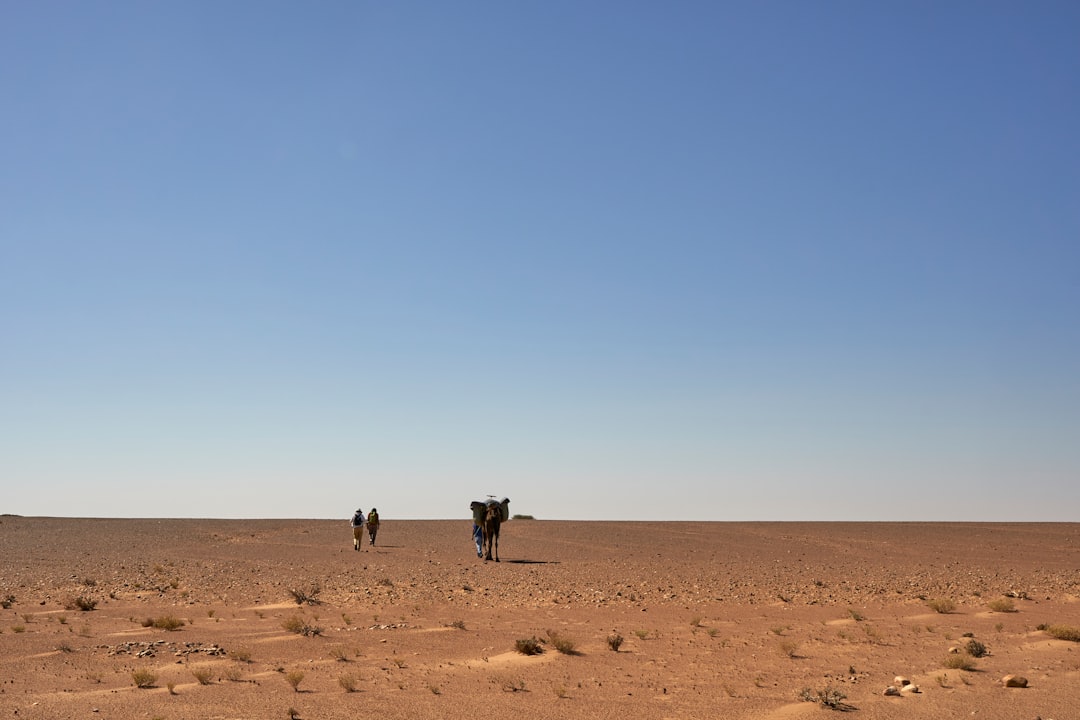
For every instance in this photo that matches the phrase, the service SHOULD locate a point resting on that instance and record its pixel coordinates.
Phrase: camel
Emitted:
(492, 521)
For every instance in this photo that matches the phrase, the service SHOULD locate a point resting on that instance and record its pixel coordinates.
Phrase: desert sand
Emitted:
(718, 620)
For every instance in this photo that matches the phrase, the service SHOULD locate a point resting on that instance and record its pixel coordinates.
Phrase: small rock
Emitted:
(901, 681)
(891, 690)
(1014, 681)
(910, 689)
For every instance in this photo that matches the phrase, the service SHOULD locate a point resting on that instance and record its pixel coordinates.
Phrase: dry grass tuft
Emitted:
(528, 646)
(614, 642)
(941, 605)
(959, 661)
(1002, 605)
(1062, 632)
(143, 678)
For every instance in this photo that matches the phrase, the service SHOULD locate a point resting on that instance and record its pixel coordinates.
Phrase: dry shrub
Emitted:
(298, 625)
(1062, 632)
(309, 596)
(976, 649)
(143, 678)
(81, 602)
(347, 682)
(294, 678)
(168, 622)
(959, 661)
(1002, 604)
(561, 643)
(614, 642)
(528, 646)
(941, 605)
(202, 674)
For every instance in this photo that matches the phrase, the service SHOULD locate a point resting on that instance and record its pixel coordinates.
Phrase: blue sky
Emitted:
(703, 261)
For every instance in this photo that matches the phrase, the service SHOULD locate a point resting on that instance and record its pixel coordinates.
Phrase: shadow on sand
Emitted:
(533, 562)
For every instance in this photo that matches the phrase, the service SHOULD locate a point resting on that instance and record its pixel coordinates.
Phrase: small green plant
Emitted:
(143, 678)
(943, 606)
(614, 642)
(642, 634)
(347, 682)
(528, 646)
(18, 628)
(561, 643)
(294, 678)
(202, 674)
(959, 661)
(1062, 632)
(1002, 605)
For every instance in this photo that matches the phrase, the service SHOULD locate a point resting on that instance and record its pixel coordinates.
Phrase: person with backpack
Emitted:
(373, 524)
(357, 524)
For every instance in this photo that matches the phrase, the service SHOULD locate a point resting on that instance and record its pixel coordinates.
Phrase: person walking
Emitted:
(357, 524)
(373, 524)
(479, 509)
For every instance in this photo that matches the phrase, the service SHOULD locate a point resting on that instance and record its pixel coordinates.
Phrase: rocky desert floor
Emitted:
(282, 618)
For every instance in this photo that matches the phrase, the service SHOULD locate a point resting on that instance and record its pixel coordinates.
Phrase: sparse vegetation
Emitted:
(347, 682)
(294, 678)
(80, 602)
(1062, 632)
(459, 624)
(641, 634)
(7, 602)
(561, 643)
(614, 642)
(959, 661)
(202, 674)
(309, 596)
(528, 646)
(830, 697)
(165, 622)
(300, 626)
(1002, 605)
(339, 654)
(386, 582)
(789, 648)
(241, 655)
(18, 628)
(976, 649)
(943, 606)
(855, 615)
(143, 678)
(522, 517)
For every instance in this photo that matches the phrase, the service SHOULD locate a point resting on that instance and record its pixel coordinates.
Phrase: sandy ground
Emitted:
(726, 620)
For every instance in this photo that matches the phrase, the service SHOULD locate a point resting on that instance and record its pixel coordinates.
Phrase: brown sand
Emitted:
(718, 619)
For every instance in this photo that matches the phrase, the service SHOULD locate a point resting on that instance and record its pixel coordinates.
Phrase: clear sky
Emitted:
(614, 260)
